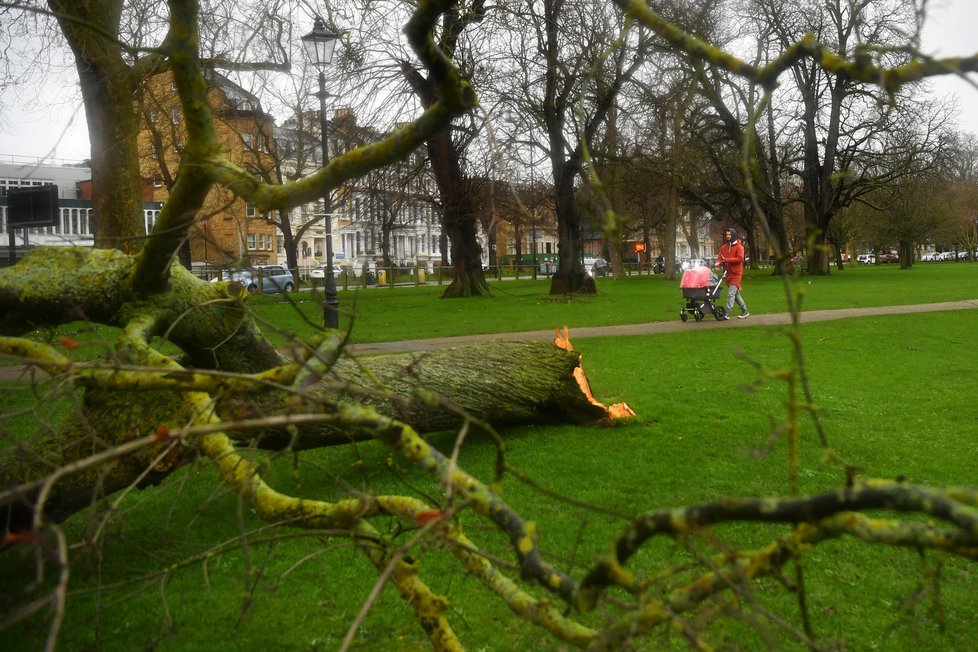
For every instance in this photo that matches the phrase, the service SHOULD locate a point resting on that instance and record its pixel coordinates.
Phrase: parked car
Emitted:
(599, 267)
(946, 255)
(866, 259)
(889, 258)
(319, 273)
(273, 278)
(929, 256)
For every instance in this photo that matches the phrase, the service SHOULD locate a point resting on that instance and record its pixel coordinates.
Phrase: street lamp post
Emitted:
(319, 44)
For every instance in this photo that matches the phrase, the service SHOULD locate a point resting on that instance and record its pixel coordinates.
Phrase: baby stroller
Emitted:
(701, 289)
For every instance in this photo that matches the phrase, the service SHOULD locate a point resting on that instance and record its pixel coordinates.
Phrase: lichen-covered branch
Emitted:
(870, 495)
(862, 69)
(208, 321)
(455, 98)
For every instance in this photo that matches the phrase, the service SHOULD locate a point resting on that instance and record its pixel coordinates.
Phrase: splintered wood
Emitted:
(615, 411)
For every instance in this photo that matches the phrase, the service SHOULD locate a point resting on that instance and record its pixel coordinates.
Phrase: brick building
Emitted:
(228, 229)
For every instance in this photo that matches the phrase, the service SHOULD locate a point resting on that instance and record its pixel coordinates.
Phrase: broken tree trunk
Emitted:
(498, 382)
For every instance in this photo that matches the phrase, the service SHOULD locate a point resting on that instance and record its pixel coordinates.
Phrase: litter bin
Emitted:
(382, 276)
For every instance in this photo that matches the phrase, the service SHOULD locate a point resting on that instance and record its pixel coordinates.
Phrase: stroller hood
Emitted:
(698, 277)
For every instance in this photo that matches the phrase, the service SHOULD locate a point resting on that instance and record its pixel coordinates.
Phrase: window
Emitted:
(157, 181)
(248, 140)
(175, 116)
(251, 241)
(154, 116)
(21, 183)
(250, 210)
(150, 218)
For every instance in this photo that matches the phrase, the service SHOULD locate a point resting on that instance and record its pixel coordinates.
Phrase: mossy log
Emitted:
(496, 382)
(120, 434)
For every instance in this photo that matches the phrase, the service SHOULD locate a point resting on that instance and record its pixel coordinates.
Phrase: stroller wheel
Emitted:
(698, 315)
(683, 315)
(720, 313)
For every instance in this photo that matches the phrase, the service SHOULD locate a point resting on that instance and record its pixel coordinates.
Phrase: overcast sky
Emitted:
(60, 133)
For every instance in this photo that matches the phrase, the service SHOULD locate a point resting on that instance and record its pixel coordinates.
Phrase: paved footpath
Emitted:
(14, 372)
(655, 327)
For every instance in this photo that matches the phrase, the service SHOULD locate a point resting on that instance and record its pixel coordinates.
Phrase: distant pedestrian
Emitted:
(731, 259)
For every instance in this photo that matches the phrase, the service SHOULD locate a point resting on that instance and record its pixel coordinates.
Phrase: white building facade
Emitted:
(395, 205)
(76, 224)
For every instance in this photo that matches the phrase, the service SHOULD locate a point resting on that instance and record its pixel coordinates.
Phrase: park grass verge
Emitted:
(896, 394)
(403, 313)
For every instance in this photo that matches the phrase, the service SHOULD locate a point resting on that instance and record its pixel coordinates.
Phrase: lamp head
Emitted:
(320, 42)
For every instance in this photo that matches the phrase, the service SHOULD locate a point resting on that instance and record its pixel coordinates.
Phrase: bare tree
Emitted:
(564, 81)
(446, 153)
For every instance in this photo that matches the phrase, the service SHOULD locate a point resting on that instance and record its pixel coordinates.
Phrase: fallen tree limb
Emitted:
(498, 382)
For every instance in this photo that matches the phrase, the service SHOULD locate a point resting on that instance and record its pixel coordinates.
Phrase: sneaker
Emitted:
(743, 316)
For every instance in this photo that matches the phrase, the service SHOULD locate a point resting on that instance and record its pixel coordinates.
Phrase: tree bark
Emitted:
(497, 382)
(108, 86)
(571, 277)
(459, 212)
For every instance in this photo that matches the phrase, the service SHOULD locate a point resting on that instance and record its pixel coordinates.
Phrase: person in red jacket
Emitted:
(731, 259)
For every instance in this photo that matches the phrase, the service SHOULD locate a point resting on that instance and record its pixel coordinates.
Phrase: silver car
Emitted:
(320, 272)
(273, 278)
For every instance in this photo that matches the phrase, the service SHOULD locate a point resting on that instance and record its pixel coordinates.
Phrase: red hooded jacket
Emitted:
(731, 257)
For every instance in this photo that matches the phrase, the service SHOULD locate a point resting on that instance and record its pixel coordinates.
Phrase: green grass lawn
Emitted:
(390, 314)
(896, 395)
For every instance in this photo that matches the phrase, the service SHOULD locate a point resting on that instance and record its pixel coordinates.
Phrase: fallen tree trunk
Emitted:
(497, 382)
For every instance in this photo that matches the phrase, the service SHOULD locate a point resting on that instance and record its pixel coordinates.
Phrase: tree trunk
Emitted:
(818, 255)
(468, 277)
(459, 218)
(839, 263)
(906, 254)
(570, 278)
(289, 242)
(108, 88)
(461, 225)
(499, 382)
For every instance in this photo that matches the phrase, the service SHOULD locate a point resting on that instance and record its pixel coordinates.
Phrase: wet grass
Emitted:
(386, 314)
(895, 393)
